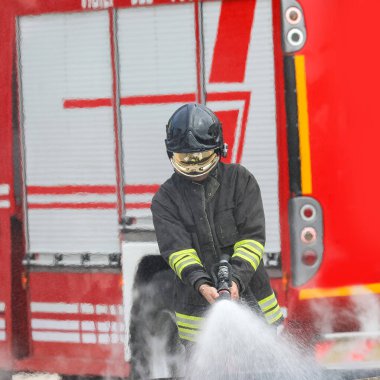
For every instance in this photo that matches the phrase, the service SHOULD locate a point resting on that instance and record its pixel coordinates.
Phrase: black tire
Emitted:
(152, 318)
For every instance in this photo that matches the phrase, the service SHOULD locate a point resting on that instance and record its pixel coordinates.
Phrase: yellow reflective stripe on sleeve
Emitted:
(176, 260)
(256, 255)
(179, 260)
(175, 256)
(253, 243)
(275, 316)
(268, 302)
(249, 250)
(188, 317)
(253, 251)
(186, 336)
(188, 326)
(184, 324)
(188, 331)
(274, 311)
(246, 259)
(270, 308)
(183, 264)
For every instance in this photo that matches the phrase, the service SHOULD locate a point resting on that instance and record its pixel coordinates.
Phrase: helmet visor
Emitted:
(195, 163)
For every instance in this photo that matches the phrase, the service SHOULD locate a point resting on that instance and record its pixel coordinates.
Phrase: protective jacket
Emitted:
(196, 223)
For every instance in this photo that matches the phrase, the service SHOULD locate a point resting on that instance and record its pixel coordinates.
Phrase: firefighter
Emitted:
(205, 210)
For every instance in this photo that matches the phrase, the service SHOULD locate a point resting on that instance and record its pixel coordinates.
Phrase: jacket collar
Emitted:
(211, 183)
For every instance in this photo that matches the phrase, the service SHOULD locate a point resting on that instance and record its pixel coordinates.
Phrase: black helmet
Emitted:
(194, 140)
(193, 128)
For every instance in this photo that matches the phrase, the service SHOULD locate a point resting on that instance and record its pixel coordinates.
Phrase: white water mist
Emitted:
(235, 344)
(367, 311)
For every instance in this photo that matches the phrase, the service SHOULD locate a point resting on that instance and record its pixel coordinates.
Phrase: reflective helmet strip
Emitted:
(249, 250)
(188, 326)
(179, 260)
(270, 308)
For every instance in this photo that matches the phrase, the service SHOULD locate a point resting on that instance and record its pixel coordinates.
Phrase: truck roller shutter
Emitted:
(68, 133)
(158, 73)
(239, 84)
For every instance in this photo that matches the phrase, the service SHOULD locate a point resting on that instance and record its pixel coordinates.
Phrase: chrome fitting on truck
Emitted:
(306, 234)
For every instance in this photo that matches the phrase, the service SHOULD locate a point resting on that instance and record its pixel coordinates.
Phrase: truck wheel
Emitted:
(153, 333)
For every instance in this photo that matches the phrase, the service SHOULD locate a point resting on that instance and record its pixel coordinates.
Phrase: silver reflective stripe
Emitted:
(252, 251)
(176, 256)
(188, 332)
(269, 306)
(268, 303)
(255, 245)
(185, 263)
(186, 336)
(274, 315)
(246, 258)
(188, 326)
(250, 255)
(179, 260)
(249, 250)
(188, 320)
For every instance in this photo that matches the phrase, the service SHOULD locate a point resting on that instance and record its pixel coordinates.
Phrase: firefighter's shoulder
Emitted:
(166, 192)
(235, 169)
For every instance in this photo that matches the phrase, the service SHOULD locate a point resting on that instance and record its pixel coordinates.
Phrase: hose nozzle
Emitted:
(222, 278)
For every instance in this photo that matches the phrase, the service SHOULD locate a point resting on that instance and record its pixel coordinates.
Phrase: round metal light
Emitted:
(309, 257)
(295, 37)
(293, 15)
(308, 235)
(308, 212)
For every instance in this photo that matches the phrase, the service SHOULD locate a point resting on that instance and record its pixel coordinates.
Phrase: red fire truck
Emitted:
(86, 88)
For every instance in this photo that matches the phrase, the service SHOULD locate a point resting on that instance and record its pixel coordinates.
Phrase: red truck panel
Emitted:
(342, 71)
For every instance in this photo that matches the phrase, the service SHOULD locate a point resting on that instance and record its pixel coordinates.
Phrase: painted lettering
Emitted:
(96, 4)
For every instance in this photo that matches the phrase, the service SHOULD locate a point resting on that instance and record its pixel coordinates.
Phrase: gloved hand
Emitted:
(209, 293)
